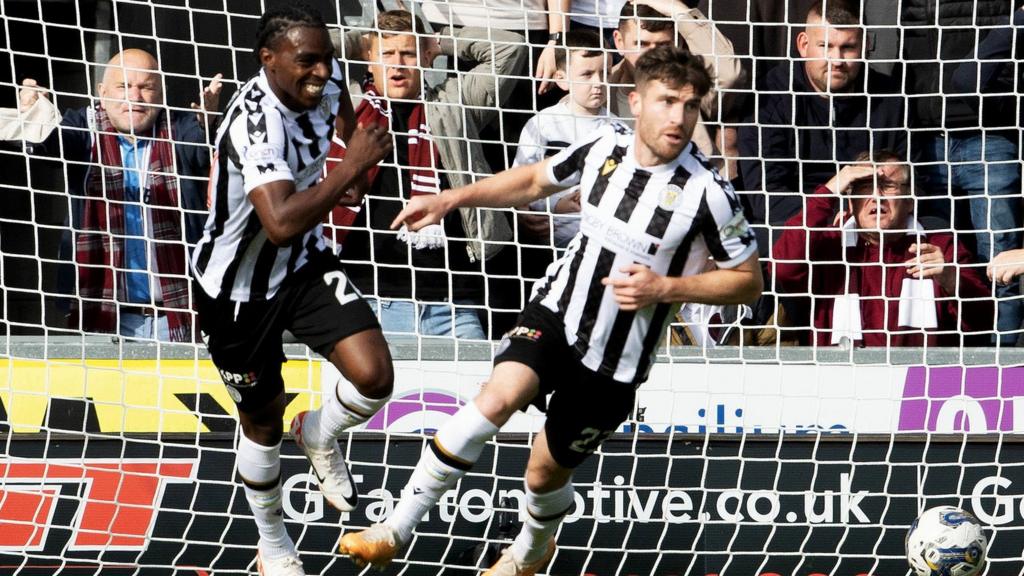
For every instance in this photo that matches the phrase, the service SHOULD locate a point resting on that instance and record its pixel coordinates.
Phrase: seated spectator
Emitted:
(644, 24)
(136, 176)
(429, 282)
(581, 71)
(812, 114)
(874, 275)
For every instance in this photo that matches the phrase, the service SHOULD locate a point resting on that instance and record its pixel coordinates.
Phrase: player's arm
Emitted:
(642, 287)
(286, 214)
(513, 187)
(345, 121)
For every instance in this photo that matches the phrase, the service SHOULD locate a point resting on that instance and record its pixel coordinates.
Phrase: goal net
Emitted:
(758, 446)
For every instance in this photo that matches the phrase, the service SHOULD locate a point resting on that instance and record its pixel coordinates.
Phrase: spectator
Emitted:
(880, 279)
(644, 24)
(419, 277)
(581, 70)
(812, 114)
(136, 176)
(598, 16)
(966, 130)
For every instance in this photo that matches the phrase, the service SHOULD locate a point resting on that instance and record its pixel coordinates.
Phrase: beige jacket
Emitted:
(703, 38)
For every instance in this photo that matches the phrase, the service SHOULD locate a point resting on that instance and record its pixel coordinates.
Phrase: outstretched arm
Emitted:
(513, 187)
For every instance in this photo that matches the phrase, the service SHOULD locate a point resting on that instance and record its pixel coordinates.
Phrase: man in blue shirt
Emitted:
(133, 169)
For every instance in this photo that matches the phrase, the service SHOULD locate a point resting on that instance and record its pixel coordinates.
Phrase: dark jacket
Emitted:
(938, 36)
(801, 151)
(73, 143)
(997, 66)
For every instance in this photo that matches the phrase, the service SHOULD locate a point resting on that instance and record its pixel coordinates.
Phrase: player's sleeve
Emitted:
(724, 227)
(565, 168)
(261, 153)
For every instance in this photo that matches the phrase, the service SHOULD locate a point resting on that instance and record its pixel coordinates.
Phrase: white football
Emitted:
(946, 541)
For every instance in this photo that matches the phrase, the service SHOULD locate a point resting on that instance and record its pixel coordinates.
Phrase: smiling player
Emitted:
(263, 267)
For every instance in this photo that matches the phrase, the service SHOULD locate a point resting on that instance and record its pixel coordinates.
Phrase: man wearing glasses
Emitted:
(873, 275)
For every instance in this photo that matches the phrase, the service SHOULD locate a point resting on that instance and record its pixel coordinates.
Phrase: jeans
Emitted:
(402, 317)
(985, 170)
(142, 327)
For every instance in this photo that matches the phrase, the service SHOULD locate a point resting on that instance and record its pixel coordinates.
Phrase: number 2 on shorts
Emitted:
(589, 440)
(339, 290)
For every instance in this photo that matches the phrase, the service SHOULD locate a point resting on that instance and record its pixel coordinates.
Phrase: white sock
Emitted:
(544, 513)
(344, 407)
(260, 469)
(450, 454)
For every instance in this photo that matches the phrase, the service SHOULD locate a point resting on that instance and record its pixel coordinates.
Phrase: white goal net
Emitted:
(798, 436)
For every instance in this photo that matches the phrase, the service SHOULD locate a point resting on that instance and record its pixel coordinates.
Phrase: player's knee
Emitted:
(496, 407)
(546, 476)
(263, 433)
(373, 376)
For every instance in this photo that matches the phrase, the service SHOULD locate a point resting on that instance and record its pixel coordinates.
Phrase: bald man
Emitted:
(136, 173)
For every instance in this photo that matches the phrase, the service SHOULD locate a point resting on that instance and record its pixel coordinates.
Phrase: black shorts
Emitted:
(317, 304)
(585, 407)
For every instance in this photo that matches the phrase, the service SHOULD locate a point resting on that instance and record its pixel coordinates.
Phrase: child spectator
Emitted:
(581, 70)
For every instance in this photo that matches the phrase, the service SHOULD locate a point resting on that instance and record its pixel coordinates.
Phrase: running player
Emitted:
(654, 212)
(262, 267)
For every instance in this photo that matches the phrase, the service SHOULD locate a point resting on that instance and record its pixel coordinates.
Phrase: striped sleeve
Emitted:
(262, 154)
(726, 232)
(565, 168)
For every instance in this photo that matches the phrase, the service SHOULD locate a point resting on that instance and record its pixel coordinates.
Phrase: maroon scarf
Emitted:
(422, 153)
(99, 244)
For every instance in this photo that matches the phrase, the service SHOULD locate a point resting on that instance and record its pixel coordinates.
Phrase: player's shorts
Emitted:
(585, 407)
(317, 304)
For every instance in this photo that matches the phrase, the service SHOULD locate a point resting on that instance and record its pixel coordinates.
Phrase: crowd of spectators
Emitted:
(885, 195)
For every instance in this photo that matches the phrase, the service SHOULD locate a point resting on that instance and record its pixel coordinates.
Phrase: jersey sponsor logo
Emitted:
(313, 169)
(247, 380)
(670, 198)
(116, 500)
(616, 236)
(264, 153)
(525, 333)
(737, 227)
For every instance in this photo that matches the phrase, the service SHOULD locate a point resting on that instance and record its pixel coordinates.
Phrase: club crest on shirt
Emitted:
(325, 106)
(670, 198)
(609, 166)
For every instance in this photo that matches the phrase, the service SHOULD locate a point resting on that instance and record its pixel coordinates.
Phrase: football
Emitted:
(946, 541)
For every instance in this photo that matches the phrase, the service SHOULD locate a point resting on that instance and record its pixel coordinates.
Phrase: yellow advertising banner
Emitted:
(133, 396)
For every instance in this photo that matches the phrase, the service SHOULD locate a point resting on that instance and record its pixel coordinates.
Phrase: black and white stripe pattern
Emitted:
(671, 218)
(261, 141)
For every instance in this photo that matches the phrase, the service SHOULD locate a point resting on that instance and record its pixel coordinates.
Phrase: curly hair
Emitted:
(277, 22)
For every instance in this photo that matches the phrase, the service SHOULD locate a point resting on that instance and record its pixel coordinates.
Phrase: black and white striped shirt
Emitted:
(260, 141)
(670, 217)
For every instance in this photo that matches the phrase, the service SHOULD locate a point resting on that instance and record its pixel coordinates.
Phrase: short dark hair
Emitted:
(278, 21)
(674, 66)
(586, 41)
(836, 12)
(400, 21)
(648, 18)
